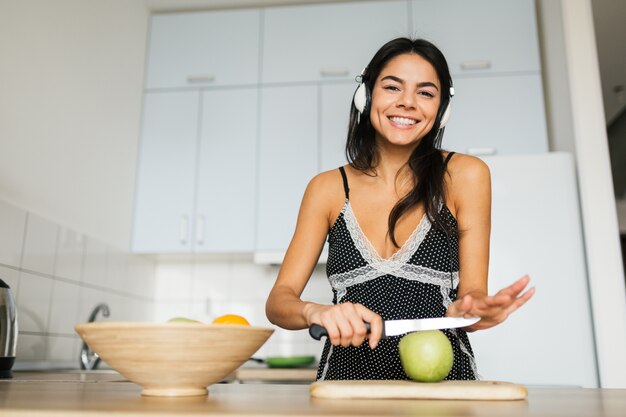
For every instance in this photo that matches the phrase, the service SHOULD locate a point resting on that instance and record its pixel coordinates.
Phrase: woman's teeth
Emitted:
(403, 121)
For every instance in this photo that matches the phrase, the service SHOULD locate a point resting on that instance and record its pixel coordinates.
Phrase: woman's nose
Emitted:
(407, 99)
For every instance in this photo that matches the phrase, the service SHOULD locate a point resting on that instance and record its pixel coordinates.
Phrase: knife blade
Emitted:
(398, 327)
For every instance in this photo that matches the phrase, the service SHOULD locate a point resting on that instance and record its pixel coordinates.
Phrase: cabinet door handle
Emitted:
(200, 229)
(200, 78)
(334, 72)
(184, 229)
(475, 65)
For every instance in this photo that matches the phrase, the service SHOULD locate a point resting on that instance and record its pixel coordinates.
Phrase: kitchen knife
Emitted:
(398, 327)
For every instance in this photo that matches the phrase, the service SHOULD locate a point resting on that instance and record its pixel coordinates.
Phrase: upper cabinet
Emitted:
(166, 172)
(327, 42)
(480, 36)
(243, 107)
(227, 167)
(336, 99)
(497, 116)
(196, 186)
(204, 49)
(288, 160)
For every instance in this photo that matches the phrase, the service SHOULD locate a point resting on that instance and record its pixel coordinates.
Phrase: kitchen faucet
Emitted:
(89, 360)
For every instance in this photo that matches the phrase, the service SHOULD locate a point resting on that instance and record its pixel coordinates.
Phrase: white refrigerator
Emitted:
(537, 230)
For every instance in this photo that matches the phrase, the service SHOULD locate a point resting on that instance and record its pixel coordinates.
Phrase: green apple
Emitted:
(182, 320)
(426, 356)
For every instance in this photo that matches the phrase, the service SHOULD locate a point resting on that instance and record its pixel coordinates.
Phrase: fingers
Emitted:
(521, 300)
(345, 324)
(376, 326)
(495, 309)
(461, 307)
(517, 287)
(359, 331)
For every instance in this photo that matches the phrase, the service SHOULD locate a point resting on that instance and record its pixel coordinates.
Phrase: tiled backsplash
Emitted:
(206, 288)
(57, 276)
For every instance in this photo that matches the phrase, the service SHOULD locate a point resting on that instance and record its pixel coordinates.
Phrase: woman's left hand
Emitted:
(494, 309)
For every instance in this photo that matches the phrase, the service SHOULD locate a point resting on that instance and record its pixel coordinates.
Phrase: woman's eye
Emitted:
(427, 94)
(391, 88)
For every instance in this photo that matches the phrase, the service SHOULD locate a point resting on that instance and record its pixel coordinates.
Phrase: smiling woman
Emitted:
(407, 224)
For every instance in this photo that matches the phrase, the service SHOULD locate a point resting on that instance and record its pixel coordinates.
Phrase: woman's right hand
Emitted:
(345, 323)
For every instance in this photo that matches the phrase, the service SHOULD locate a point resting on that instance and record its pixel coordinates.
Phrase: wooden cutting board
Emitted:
(445, 390)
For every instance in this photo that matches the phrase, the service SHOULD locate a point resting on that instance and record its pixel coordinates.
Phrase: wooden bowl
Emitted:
(173, 359)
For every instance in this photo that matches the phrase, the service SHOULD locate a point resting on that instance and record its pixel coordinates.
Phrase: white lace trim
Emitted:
(368, 251)
(468, 354)
(330, 352)
(341, 282)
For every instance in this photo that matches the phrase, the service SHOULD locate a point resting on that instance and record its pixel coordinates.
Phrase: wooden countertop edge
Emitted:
(87, 413)
(276, 374)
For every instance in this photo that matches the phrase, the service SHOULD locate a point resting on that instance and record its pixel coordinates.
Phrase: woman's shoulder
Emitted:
(325, 194)
(326, 185)
(464, 168)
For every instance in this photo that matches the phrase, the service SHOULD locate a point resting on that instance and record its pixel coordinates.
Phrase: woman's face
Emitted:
(405, 100)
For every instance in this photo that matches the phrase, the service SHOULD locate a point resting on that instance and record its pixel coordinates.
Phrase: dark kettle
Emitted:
(8, 330)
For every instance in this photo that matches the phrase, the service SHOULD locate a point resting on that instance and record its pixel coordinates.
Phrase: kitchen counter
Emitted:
(275, 375)
(63, 395)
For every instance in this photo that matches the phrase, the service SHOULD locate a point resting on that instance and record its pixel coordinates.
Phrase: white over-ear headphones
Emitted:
(362, 100)
(446, 113)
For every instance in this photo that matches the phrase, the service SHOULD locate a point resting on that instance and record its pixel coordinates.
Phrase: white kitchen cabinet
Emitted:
(226, 199)
(497, 115)
(336, 100)
(236, 123)
(288, 159)
(214, 48)
(166, 172)
(196, 181)
(327, 41)
(480, 36)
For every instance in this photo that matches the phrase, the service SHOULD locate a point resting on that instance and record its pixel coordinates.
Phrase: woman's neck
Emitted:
(392, 167)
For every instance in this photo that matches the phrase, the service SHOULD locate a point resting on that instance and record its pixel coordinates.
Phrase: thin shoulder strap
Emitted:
(445, 164)
(346, 189)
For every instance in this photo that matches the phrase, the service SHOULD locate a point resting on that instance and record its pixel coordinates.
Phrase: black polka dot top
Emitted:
(418, 281)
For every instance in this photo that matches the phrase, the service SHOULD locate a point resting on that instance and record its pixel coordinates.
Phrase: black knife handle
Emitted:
(317, 332)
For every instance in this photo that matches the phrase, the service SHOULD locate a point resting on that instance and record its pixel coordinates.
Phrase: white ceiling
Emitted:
(609, 18)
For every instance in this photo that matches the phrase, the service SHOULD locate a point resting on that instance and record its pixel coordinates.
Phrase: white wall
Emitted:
(71, 76)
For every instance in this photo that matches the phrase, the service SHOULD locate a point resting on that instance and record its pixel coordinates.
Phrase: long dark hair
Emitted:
(426, 162)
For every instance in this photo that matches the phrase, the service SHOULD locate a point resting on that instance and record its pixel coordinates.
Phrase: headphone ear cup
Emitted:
(360, 98)
(446, 116)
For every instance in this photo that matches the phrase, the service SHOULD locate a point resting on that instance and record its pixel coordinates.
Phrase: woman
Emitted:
(407, 223)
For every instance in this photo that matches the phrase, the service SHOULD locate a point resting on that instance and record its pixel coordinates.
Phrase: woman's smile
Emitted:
(403, 122)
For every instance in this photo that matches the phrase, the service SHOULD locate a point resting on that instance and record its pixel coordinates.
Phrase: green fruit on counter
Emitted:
(426, 356)
(182, 320)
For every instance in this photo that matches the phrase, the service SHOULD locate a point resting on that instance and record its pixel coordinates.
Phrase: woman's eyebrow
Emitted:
(401, 81)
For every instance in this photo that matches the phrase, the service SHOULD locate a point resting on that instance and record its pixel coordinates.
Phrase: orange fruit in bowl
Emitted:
(231, 319)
